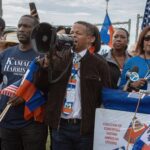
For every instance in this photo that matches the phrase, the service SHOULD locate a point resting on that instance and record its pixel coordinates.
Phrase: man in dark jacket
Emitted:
(70, 110)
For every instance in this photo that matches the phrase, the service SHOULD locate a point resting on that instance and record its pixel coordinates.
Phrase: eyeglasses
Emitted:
(147, 38)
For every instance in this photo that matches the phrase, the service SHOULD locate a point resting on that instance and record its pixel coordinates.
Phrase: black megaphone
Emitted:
(44, 39)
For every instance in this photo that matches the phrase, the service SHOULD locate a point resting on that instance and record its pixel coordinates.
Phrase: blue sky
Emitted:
(66, 12)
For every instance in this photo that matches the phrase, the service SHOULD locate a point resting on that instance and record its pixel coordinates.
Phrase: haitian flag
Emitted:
(107, 31)
(143, 142)
(135, 129)
(34, 98)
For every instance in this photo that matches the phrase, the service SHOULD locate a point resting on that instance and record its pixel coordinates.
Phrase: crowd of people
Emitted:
(80, 74)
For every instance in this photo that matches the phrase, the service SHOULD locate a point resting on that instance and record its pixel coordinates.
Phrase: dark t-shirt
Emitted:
(13, 65)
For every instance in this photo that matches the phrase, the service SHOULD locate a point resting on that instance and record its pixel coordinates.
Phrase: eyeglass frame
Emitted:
(147, 38)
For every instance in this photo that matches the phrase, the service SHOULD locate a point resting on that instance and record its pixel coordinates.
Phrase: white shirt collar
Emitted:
(82, 53)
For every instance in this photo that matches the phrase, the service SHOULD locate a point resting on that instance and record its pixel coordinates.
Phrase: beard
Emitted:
(24, 41)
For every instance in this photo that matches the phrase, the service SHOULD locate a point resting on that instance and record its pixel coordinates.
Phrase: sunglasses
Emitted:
(147, 38)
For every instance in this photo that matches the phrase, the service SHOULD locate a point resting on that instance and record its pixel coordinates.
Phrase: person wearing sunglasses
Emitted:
(142, 61)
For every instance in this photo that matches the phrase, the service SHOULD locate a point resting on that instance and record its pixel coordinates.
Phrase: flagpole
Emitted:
(1, 9)
(141, 94)
(107, 5)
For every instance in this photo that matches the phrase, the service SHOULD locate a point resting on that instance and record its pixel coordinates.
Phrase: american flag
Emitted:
(146, 18)
(11, 89)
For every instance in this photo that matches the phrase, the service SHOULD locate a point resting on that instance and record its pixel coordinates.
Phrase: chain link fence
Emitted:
(138, 25)
(125, 24)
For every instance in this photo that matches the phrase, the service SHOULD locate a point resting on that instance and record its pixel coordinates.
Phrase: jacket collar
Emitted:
(109, 57)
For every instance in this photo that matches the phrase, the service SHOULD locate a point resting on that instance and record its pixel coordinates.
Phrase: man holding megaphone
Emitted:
(76, 78)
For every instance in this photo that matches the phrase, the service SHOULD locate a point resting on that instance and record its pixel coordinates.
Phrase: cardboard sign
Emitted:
(113, 129)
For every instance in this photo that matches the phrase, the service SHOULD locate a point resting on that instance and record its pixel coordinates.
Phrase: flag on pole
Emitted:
(25, 88)
(107, 31)
(34, 98)
(146, 17)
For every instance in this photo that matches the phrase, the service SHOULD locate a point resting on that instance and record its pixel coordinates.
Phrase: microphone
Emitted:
(131, 75)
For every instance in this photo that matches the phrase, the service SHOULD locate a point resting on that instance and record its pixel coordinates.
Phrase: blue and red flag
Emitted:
(107, 31)
(135, 129)
(34, 97)
(143, 142)
(146, 18)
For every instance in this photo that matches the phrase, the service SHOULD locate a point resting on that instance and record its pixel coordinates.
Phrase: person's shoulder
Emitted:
(98, 59)
(134, 58)
(9, 50)
(105, 55)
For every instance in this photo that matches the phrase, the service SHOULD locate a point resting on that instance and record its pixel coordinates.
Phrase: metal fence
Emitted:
(125, 24)
(138, 25)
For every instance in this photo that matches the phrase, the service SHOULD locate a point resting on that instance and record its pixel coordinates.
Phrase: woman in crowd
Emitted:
(117, 56)
(142, 61)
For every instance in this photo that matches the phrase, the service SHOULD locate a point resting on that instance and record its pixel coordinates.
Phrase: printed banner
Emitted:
(113, 129)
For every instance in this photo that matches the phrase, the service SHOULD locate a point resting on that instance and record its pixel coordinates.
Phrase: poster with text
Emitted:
(115, 130)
